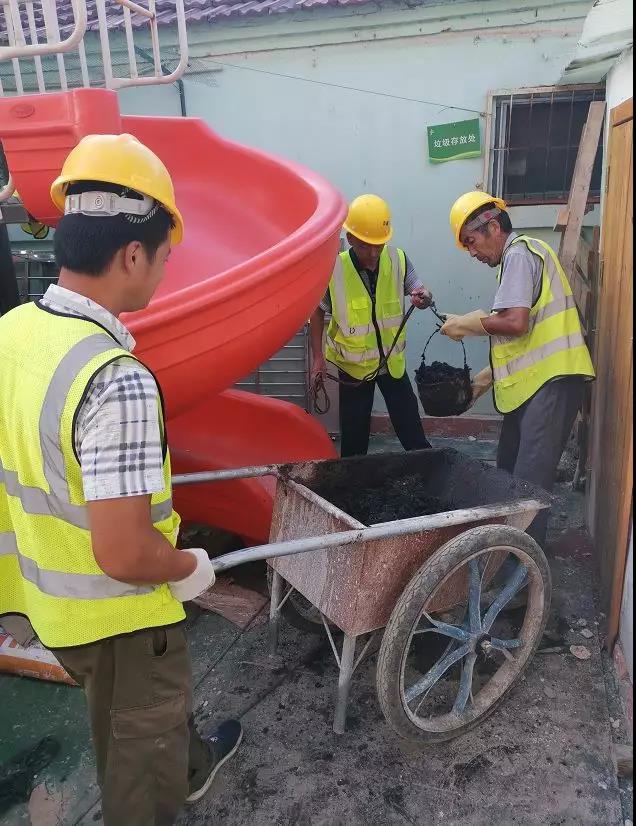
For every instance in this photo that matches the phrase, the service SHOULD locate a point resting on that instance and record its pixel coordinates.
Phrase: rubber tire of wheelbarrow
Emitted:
(409, 606)
(293, 616)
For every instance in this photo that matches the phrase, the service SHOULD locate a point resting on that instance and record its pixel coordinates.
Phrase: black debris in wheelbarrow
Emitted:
(399, 498)
(389, 486)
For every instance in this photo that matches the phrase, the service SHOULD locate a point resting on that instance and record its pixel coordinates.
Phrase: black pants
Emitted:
(356, 404)
(534, 436)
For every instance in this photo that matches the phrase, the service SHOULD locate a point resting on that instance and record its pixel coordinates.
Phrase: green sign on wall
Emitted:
(454, 141)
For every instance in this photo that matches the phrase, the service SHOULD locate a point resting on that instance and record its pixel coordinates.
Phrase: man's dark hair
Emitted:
(87, 243)
(503, 219)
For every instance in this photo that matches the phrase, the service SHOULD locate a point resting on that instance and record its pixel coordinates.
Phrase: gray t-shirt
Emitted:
(521, 277)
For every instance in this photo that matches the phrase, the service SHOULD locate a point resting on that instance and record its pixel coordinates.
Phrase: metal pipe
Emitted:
(11, 33)
(154, 39)
(179, 81)
(173, 77)
(130, 43)
(51, 24)
(86, 81)
(384, 530)
(15, 51)
(224, 475)
(105, 44)
(33, 31)
(136, 8)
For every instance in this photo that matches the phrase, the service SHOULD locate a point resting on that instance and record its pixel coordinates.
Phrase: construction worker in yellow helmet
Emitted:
(87, 527)
(371, 286)
(539, 361)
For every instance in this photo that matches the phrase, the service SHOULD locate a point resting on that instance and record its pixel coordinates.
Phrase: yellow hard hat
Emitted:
(465, 206)
(123, 160)
(35, 228)
(369, 219)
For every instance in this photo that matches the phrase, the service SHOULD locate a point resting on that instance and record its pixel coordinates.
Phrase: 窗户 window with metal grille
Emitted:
(534, 141)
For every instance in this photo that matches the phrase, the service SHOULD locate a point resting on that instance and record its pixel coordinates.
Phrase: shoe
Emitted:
(223, 744)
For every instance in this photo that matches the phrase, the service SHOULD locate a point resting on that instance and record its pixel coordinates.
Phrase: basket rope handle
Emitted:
(428, 341)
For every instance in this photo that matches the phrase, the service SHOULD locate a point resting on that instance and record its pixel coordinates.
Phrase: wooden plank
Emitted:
(582, 296)
(624, 410)
(588, 252)
(562, 219)
(612, 477)
(580, 188)
(584, 258)
(623, 112)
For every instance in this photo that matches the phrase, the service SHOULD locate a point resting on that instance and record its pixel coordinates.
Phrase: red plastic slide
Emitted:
(261, 237)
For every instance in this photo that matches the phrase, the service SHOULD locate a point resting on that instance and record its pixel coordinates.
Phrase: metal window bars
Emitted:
(285, 375)
(35, 272)
(515, 170)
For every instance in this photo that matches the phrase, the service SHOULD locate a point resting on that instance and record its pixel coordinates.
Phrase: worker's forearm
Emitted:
(512, 323)
(151, 560)
(316, 331)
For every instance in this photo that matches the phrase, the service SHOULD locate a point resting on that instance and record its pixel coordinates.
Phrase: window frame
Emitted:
(489, 137)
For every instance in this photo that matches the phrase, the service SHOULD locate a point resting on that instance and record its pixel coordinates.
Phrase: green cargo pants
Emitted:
(139, 693)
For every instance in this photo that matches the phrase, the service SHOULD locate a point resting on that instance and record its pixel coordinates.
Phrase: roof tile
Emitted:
(197, 11)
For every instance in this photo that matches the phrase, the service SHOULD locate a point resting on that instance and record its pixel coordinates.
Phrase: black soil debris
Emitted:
(444, 390)
(396, 499)
(440, 371)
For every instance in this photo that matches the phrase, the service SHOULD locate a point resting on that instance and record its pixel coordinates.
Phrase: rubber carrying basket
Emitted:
(451, 397)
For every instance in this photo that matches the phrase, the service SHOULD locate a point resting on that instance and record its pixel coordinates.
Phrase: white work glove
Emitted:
(481, 383)
(198, 581)
(459, 326)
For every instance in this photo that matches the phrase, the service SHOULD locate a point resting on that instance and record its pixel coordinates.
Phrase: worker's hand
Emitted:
(318, 369)
(421, 298)
(198, 581)
(481, 383)
(458, 327)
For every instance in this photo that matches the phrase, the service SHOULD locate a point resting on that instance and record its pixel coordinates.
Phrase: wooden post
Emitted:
(571, 218)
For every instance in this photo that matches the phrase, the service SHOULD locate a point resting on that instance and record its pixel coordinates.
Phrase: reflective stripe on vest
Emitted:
(554, 345)
(48, 571)
(72, 586)
(57, 503)
(367, 355)
(352, 337)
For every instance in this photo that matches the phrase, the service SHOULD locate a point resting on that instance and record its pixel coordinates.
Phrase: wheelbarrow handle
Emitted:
(224, 475)
(383, 530)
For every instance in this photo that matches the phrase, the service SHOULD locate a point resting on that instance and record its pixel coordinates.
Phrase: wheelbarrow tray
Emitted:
(357, 586)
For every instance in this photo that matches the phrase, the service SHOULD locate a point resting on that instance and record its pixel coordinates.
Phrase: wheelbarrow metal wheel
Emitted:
(485, 648)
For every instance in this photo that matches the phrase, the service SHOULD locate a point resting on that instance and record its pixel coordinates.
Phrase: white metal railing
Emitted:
(135, 79)
(25, 42)
(28, 42)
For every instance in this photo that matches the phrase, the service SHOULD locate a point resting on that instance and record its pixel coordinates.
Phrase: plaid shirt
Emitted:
(117, 433)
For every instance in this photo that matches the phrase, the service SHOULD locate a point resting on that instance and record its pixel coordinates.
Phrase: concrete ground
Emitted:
(544, 758)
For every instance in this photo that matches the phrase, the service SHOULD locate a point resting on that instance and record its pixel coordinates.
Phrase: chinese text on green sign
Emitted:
(454, 141)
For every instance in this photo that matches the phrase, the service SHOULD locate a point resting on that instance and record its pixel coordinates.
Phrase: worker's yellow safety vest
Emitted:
(47, 568)
(352, 335)
(553, 346)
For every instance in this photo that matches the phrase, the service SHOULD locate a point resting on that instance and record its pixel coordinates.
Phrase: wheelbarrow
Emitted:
(459, 595)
